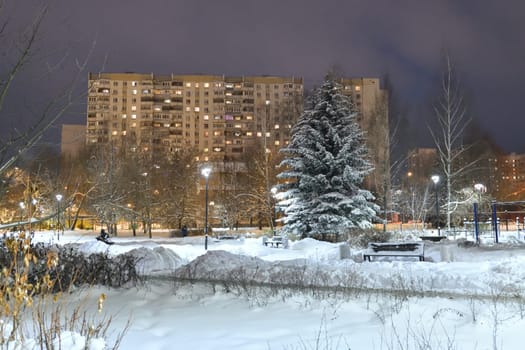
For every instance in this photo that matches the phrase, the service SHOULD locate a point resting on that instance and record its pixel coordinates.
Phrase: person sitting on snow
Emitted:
(103, 234)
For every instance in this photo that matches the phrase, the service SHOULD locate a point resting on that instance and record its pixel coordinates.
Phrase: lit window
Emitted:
(197, 109)
(133, 108)
(249, 117)
(206, 133)
(196, 85)
(276, 126)
(206, 159)
(166, 125)
(206, 85)
(267, 134)
(124, 133)
(228, 102)
(157, 109)
(133, 116)
(358, 88)
(217, 149)
(188, 109)
(134, 91)
(259, 134)
(206, 117)
(167, 100)
(249, 133)
(114, 133)
(178, 92)
(228, 94)
(188, 84)
(277, 142)
(238, 126)
(206, 150)
(124, 116)
(216, 133)
(133, 125)
(134, 83)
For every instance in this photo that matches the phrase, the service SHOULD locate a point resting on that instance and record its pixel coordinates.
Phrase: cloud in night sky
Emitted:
(404, 39)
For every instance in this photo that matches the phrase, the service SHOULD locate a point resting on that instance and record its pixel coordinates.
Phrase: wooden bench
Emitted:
(276, 241)
(395, 249)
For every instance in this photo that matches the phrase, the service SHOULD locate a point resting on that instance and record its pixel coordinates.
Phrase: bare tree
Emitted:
(19, 49)
(452, 119)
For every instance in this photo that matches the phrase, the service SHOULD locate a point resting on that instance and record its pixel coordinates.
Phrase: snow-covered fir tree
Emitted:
(324, 168)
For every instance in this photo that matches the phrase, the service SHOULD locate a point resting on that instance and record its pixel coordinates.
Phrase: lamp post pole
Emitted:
(435, 180)
(274, 209)
(59, 198)
(480, 188)
(22, 207)
(206, 173)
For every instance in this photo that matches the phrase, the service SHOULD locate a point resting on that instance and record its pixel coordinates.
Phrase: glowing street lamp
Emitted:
(59, 198)
(206, 173)
(22, 207)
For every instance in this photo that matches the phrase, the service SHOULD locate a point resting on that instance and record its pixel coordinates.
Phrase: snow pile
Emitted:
(158, 260)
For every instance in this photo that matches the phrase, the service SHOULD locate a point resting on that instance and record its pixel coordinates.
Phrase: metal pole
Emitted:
(495, 221)
(437, 211)
(476, 227)
(206, 218)
(58, 219)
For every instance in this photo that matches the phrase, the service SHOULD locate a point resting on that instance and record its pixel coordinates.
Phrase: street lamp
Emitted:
(59, 198)
(435, 180)
(22, 207)
(479, 188)
(206, 173)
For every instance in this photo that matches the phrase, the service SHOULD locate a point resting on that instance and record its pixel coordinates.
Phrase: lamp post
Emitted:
(274, 211)
(59, 198)
(22, 207)
(206, 173)
(480, 188)
(435, 180)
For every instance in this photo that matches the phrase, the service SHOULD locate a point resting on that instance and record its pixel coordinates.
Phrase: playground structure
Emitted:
(503, 215)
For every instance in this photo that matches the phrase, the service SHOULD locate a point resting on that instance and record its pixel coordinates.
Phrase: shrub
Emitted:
(361, 237)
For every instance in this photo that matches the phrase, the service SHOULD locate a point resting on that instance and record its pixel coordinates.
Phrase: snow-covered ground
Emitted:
(464, 301)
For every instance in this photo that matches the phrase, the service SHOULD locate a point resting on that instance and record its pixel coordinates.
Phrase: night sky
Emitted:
(371, 38)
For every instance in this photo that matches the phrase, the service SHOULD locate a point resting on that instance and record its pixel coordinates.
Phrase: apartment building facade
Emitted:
(221, 117)
(506, 180)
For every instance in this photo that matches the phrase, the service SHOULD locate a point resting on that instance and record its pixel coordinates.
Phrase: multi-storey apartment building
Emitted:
(219, 116)
(507, 177)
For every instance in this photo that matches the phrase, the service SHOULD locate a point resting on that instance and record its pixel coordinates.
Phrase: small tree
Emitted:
(324, 168)
(452, 118)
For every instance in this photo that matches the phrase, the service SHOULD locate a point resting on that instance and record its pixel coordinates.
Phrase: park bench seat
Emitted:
(395, 249)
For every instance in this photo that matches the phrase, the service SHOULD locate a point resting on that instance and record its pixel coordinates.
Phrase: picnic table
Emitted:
(395, 249)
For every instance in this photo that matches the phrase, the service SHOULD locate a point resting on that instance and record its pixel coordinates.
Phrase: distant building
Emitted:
(73, 139)
(220, 116)
(507, 177)
(421, 163)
